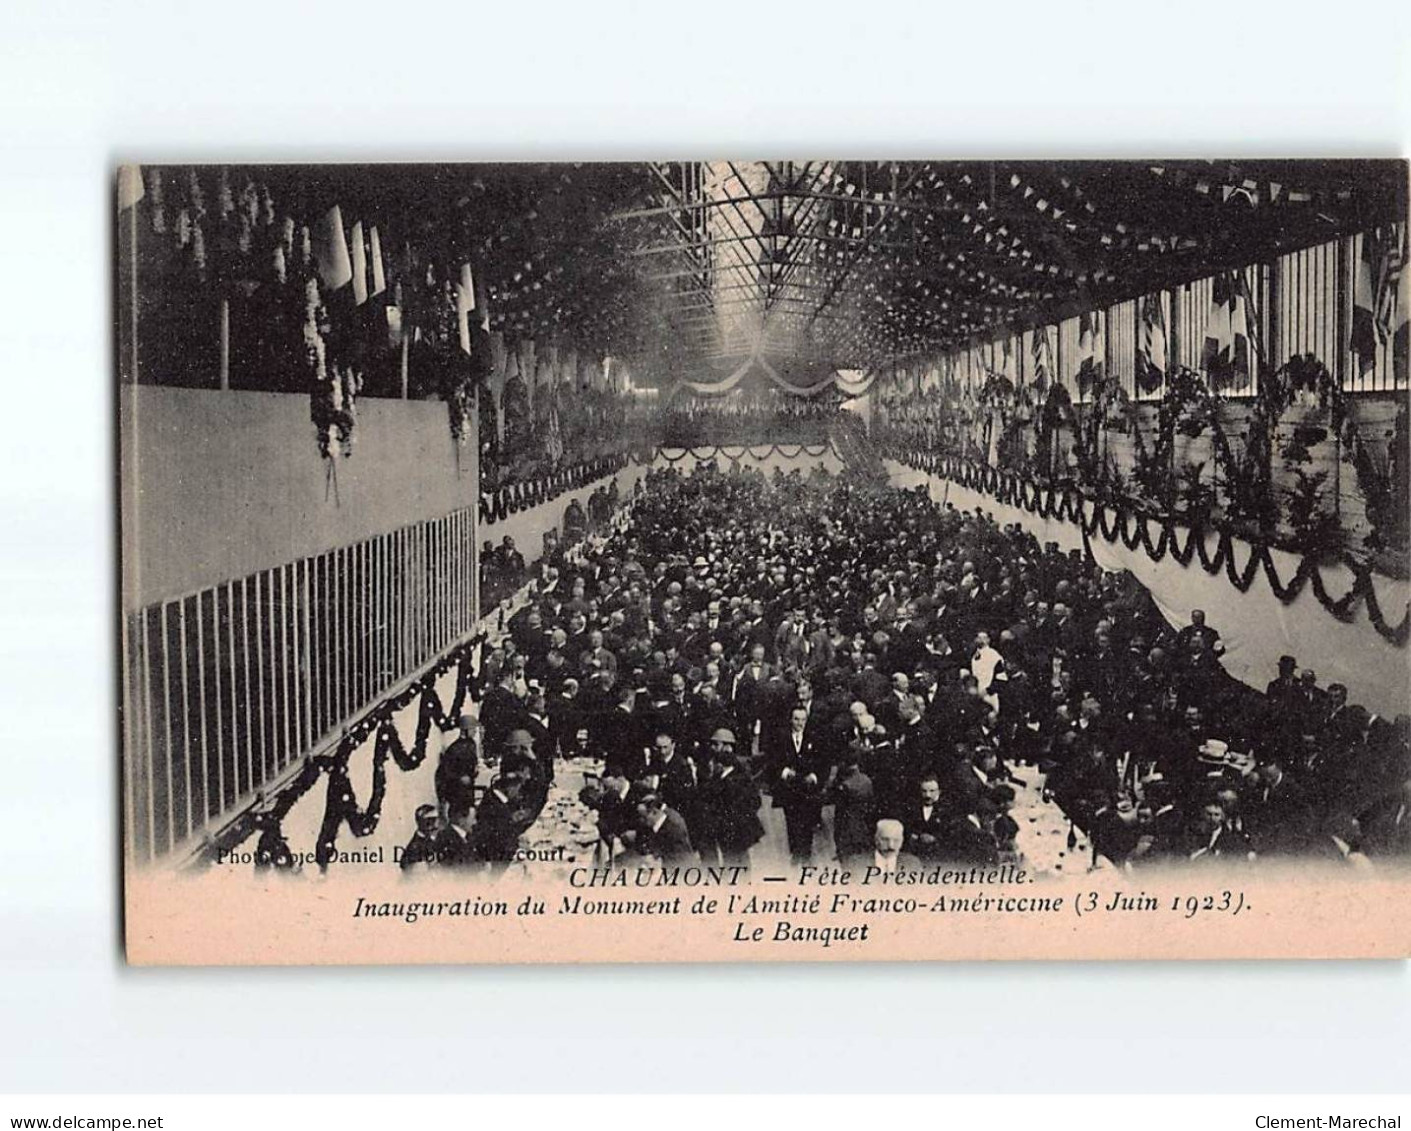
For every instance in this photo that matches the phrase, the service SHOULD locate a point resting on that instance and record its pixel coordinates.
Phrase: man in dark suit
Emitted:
(965, 840)
(615, 801)
(926, 823)
(746, 690)
(540, 726)
(854, 806)
(870, 685)
(888, 711)
(620, 737)
(494, 838)
(500, 712)
(798, 770)
(456, 772)
(432, 844)
(566, 717)
(914, 740)
(1279, 818)
(1212, 837)
(675, 711)
(730, 824)
(674, 774)
(663, 832)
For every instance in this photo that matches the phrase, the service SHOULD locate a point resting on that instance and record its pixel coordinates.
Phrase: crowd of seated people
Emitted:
(730, 420)
(503, 570)
(826, 644)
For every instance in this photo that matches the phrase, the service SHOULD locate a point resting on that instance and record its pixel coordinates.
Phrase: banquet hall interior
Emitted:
(733, 514)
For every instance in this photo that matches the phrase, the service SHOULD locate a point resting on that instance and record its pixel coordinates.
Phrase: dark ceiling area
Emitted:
(688, 267)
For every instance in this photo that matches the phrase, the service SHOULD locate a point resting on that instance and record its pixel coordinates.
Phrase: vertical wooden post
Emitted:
(169, 817)
(206, 811)
(406, 343)
(224, 342)
(286, 648)
(1275, 348)
(249, 712)
(260, 713)
(1344, 289)
(1173, 348)
(304, 647)
(234, 699)
(190, 824)
(147, 748)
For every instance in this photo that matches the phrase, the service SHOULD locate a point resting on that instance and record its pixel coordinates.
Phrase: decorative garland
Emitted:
(703, 454)
(341, 805)
(498, 505)
(1189, 408)
(1131, 526)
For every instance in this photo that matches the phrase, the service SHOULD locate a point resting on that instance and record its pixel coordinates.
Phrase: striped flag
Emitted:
(1377, 315)
(1151, 357)
(1042, 357)
(1008, 359)
(1226, 356)
(1090, 352)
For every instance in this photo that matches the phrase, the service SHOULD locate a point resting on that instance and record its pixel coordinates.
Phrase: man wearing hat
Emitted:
(729, 802)
(456, 772)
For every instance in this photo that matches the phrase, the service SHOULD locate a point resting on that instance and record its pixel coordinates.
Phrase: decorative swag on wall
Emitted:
(992, 426)
(759, 453)
(341, 806)
(1132, 526)
(498, 505)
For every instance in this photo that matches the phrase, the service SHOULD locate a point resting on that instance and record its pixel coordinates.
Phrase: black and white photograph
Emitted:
(862, 544)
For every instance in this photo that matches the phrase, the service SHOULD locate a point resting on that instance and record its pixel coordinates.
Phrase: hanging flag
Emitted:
(1042, 358)
(1090, 352)
(1226, 356)
(130, 187)
(359, 258)
(467, 286)
(335, 268)
(1399, 305)
(1378, 307)
(1151, 358)
(1400, 339)
(379, 278)
(465, 303)
(1364, 333)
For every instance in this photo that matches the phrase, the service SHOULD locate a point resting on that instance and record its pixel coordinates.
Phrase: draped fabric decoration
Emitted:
(1357, 623)
(734, 454)
(846, 383)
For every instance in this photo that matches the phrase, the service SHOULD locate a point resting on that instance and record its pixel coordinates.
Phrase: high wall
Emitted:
(270, 596)
(219, 485)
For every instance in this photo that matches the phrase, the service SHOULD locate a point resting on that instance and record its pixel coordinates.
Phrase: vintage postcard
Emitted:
(764, 561)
